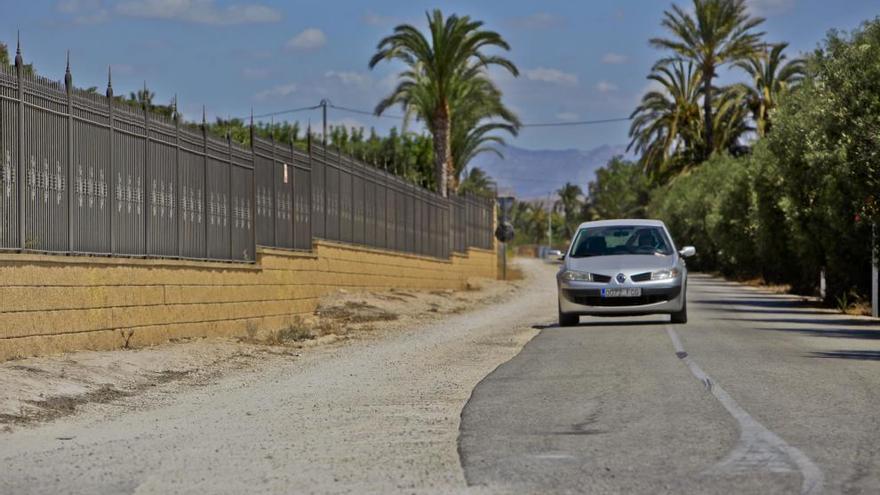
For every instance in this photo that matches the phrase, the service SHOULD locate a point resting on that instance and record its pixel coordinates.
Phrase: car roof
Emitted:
(636, 222)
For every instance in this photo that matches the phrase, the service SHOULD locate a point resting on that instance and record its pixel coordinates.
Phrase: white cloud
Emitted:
(83, 12)
(612, 58)
(198, 11)
(255, 73)
(350, 78)
(606, 87)
(567, 116)
(553, 76)
(276, 92)
(374, 19)
(310, 39)
(538, 20)
(770, 7)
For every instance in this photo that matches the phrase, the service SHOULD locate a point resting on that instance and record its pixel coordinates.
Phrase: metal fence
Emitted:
(85, 173)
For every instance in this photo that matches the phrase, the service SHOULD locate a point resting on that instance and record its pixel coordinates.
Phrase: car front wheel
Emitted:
(681, 317)
(568, 319)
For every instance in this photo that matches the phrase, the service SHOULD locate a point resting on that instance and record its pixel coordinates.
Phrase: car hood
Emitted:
(628, 264)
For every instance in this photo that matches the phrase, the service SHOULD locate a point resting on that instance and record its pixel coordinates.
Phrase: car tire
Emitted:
(681, 317)
(568, 319)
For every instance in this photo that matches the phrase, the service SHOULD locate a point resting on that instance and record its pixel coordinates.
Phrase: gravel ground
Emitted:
(375, 414)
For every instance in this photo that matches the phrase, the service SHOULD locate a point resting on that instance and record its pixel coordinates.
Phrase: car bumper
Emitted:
(586, 299)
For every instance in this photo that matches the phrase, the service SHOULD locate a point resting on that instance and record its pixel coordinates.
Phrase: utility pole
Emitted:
(324, 103)
(549, 221)
(875, 275)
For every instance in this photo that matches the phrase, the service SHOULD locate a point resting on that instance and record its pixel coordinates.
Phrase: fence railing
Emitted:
(86, 173)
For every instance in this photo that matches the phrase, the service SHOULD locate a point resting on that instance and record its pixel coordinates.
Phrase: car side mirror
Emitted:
(688, 251)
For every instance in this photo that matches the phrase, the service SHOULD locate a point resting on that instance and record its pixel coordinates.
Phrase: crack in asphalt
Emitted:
(758, 447)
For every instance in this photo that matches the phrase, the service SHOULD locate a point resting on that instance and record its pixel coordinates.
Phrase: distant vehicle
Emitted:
(622, 268)
(552, 255)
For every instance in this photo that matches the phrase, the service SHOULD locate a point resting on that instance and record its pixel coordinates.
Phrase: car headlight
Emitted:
(664, 274)
(572, 276)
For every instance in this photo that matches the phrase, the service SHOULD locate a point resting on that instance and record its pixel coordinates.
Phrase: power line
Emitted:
(578, 122)
(365, 112)
(292, 110)
(399, 117)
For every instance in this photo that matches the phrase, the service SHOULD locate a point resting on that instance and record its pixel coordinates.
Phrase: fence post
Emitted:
(68, 86)
(19, 72)
(229, 190)
(253, 198)
(112, 181)
(179, 181)
(205, 176)
(274, 187)
(339, 192)
(148, 199)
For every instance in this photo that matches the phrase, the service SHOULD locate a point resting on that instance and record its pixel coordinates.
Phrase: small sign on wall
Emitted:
(285, 173)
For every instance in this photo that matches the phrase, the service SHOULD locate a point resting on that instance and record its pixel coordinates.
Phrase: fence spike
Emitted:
(109, 91)
(19, 61)
(68, 78)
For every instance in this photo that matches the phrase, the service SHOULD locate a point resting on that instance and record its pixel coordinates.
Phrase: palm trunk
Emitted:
(707, 110)
(442, 153)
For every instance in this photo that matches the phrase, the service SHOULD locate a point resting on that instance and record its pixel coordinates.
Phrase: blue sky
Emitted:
(580, 60)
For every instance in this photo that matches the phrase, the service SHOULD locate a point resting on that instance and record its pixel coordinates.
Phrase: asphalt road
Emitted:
(757, 394)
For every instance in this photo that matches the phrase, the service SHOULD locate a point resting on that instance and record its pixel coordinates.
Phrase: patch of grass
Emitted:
(295, 332)
(358, 312)
(62, 405)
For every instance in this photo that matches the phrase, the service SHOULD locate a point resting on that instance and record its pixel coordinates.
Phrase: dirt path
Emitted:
(377, 415)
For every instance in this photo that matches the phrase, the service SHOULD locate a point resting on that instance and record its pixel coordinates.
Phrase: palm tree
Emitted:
(718, 32)
(477, 182)
(477, 115)
(439, 68)
(667, 122)
(570, 202)
(771, 77)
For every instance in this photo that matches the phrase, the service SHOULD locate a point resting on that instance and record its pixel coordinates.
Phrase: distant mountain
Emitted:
(532, 174)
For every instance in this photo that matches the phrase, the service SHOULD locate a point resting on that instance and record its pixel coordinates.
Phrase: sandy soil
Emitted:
(40, 389)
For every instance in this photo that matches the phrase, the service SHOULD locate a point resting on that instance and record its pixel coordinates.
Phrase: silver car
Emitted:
(620, 268)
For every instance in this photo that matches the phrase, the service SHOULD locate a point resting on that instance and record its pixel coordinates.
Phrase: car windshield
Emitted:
(621, 239)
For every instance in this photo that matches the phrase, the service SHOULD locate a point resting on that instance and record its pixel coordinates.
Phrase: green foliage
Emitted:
(477, 182)
(710, 208)
(446, 85)
(806, 197)
(571, 205)
(620, 190)
(714, 33)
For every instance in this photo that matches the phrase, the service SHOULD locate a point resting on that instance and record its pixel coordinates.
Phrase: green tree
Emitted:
(717, 32)
(476, 181)
(665, 128)
(620, 190)
(571, 205)
(441, 69)
(772, 77)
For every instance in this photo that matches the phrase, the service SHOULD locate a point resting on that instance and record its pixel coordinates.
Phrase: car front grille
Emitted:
(641, 277)
(593, 297)
(602, 279)
(618, 301)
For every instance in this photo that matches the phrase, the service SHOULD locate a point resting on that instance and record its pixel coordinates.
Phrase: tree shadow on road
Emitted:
(836, 322)
(838, 333)
(754, 302)
(858, 355)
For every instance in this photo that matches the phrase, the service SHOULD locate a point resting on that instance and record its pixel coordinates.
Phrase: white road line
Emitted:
(758, 447)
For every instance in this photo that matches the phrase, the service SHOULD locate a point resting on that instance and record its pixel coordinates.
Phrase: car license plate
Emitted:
(622, 292)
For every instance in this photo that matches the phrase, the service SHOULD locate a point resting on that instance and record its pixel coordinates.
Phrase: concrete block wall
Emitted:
(51, 304)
